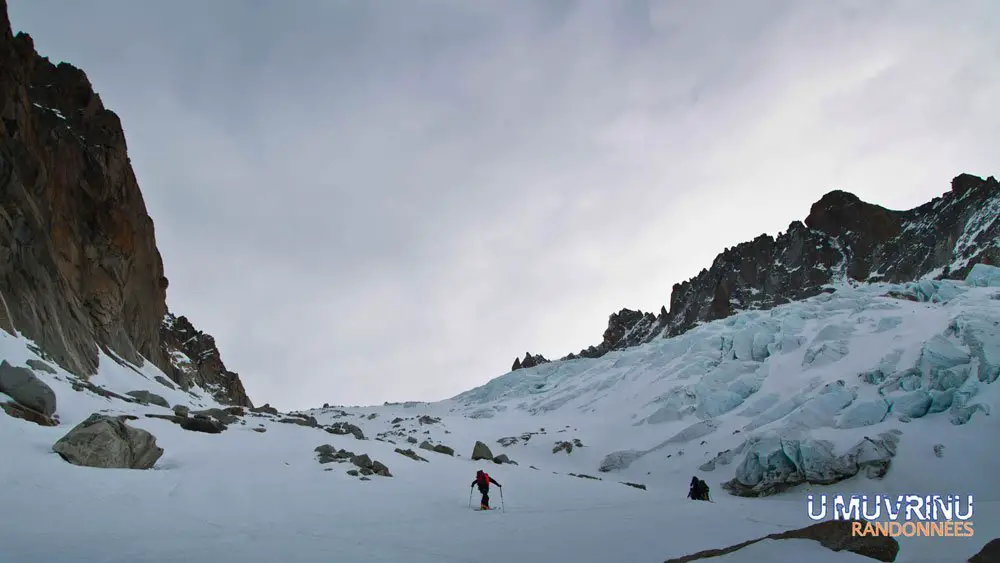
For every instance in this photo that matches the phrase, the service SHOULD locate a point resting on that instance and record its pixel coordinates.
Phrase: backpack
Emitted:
(704, 488)
(484, 479)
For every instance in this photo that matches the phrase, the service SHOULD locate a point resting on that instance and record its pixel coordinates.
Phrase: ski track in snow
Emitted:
(244, 496)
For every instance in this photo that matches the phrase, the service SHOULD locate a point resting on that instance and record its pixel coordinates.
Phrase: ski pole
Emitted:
(501, 501)
(470, 497)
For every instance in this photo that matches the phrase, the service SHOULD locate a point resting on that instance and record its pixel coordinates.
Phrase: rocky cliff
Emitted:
(79, 267)
(842, 239)
(196, 361)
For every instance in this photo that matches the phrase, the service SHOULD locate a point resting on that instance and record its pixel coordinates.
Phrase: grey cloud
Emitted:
(368, 202)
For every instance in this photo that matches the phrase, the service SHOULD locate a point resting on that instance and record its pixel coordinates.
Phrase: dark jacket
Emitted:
(486, 486)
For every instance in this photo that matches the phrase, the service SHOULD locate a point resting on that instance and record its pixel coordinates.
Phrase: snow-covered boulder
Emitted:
(106, 441)
(147, 397)
(617, 461)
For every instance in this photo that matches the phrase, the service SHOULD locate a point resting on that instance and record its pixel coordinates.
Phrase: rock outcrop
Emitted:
(842, 239)
(529, 361)
(834, 535)
(79, 267)
(107, 442)
(195, 360)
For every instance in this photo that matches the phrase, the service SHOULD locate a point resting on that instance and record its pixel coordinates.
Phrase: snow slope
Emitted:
(244, 495)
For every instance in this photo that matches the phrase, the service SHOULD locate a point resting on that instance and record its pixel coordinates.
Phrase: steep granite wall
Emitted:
(79, 267)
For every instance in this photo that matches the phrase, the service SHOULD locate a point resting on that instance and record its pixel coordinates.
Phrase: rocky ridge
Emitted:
(80, 271)
(843, 239)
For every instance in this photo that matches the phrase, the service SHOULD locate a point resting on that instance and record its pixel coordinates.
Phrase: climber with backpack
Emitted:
(698, 490)
(483, 480)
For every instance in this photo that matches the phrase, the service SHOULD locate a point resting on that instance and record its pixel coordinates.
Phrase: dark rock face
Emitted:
(843, 238)
(834, 535)
(79, 266)
(529, 361)
(195, 360)
(988, 554)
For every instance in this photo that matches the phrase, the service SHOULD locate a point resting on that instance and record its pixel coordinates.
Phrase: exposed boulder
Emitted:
(181, 410)
(443, 449)
(481, 451)
(105, 441)
(24, 413)
(428, 420)
(410, 454)
(39, 365)
(165, 382)
(501, 459)
(201, 423)
(216, 414)
(563, 447)
(507, 441)
(266, 408)
(22, 385)
(635, 485)
(344, 428)
(834, 535)
(149, 398)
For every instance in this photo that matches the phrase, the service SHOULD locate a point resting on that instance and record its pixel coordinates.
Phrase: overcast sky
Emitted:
(384, 201)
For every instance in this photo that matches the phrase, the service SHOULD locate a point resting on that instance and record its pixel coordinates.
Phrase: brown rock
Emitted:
(24, 413)
(79, 266)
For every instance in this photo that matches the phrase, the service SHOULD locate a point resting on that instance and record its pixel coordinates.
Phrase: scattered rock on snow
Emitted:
(201, 423)
(260, 429)
(443, 449)
(507, 441)
(266, 408)
(25, 388)
(563, 446)
(165, 382)
(302, 420)
(181, 410)
(428, 420)
(411, 440)
(616, 461)
(481, 451)
(635, 485)
(939, 450)
(344, 428)
(410, 454)
(353, 472)
(107, 442)
(146, 397)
